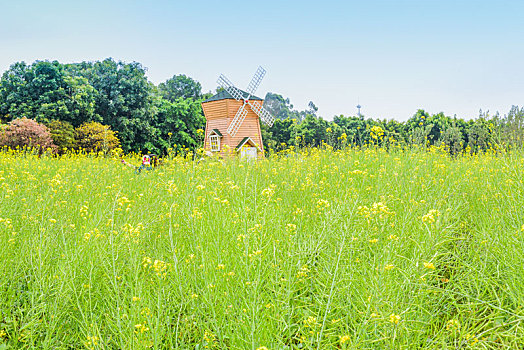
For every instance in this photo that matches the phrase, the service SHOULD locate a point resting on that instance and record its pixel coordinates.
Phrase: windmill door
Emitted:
(248, 153)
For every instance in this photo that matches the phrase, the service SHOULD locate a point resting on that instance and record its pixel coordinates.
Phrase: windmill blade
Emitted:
(266, 117)
(255, 82)
(229, 87)
(237, 120)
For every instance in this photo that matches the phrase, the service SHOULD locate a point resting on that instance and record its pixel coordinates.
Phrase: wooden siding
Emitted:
(219, 115)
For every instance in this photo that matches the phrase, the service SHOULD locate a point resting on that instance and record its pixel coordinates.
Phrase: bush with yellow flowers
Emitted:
(93, 136)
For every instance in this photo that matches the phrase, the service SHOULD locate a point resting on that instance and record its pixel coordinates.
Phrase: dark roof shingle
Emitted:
(223, 95)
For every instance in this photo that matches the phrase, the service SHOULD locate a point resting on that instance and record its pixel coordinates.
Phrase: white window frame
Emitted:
(214, 143)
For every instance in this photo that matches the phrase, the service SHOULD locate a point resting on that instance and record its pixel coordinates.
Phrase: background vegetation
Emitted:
(149, 118)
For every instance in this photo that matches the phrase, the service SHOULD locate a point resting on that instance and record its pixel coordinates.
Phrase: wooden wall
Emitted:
(219, 115)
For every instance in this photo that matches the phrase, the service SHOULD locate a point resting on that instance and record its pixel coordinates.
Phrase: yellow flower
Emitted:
(256, 252)
(394, 318)
(310, 322)
(431, 216)
(344, 339)
(376, 132)
(389, 267)
(141, 328)
(429, 265)
(452, 325)
(303, 272)
(473, 338)
(268, 192)
(90, 343)
(209, 337)
(322, 204)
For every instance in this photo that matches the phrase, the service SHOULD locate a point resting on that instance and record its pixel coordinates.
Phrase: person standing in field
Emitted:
(146, 163)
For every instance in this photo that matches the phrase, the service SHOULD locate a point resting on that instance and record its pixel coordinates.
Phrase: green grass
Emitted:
(329, 250)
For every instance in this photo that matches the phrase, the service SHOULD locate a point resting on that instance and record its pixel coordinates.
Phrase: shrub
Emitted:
(26, 132)
(93, 136)
(63, 134)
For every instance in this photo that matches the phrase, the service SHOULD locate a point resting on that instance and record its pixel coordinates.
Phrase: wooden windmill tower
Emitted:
(233, 119)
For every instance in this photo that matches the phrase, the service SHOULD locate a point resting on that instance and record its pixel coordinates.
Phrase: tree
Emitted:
(178, 123)
(63, 134)
(26, 132)
(14, 96)
(479, 134)
(44, 91)
(280, 135)
(312, 108)
(513, 127)
(93, 136)
(353, 127)
(279, 107)
(180, 86)
(395, 131)
(312, 130)
(452, 138)
(124, 99)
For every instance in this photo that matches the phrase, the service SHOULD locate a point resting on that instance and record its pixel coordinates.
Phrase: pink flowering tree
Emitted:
(26, 132)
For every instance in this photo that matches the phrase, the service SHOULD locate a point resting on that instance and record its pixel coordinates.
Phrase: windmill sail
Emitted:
(237, 120)
(255, 82)
(229, 87)
(264, 115)
(237, 94)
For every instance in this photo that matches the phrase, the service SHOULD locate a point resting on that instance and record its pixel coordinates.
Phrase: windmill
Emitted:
(233, 119)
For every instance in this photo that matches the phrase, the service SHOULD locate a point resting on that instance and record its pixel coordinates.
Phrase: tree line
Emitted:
(305, 128)
(145, 117)
(75, 102)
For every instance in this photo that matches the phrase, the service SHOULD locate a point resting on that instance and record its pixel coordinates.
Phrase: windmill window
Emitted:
(214, 142)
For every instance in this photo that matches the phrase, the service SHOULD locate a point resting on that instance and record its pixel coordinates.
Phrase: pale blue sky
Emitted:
(392, 57)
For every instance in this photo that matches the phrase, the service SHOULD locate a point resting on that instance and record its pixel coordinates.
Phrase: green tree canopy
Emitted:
(180, 86)
(44, 92)
(124, 99)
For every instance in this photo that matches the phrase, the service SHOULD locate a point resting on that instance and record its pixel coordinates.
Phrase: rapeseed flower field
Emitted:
(349, 249)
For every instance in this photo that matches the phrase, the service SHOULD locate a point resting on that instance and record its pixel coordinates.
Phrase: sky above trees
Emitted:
(392, 57)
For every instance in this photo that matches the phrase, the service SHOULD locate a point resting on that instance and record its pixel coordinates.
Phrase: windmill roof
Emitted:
(223, 95)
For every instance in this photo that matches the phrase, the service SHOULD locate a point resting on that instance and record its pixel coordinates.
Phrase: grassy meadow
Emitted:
(354, 249)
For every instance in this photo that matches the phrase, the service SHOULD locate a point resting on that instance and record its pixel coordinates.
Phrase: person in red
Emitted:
(146, 164)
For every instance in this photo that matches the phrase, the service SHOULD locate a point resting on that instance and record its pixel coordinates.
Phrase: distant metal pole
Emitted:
(358, 106)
